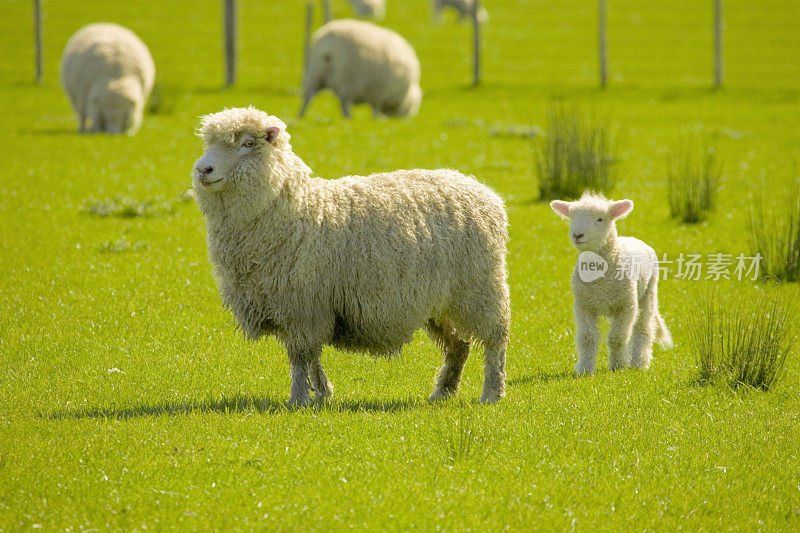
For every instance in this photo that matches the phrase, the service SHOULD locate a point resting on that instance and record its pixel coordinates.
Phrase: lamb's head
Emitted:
(592, 219)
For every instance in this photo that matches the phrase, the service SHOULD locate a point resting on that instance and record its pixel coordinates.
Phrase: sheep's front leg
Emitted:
(619, 335)
(319, 381)
(300, 358)
(587, 339)
(345, 106)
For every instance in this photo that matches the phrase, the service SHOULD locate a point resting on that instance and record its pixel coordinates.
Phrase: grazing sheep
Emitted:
(465, 8)
(369, 8)
(107, 73)
(626, 291)
(359, 263)
(363, 63)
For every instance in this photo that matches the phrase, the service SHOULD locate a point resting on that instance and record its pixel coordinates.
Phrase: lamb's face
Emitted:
(591, 220)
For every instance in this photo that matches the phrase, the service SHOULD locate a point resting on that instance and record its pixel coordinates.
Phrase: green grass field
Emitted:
(128, 399)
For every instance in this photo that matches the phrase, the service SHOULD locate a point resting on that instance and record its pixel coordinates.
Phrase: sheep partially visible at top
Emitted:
(464, 8)
(107, 73)
(375, 9)
(363, 63)
(359, 263)
(626, 291)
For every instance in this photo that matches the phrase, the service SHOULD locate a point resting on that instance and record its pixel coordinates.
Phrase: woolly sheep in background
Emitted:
(358, 263)
(627, 292)
(362, 62)
(375, 9)
(107, 73)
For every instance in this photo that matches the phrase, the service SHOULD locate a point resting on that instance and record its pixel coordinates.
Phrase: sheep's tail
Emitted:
(663, 337)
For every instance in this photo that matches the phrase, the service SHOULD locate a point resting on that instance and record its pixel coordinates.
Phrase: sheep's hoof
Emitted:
(298, 402)
(491, 397)
(582, 371)
(440, 395)
(323, 393)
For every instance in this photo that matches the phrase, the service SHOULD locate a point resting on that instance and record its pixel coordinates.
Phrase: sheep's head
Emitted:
(238, 144)
(121, 105)
(592, 219)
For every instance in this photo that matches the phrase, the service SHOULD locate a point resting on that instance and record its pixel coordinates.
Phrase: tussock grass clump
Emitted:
(122, 245)
(578, 154)
(126, 207)
(775, 237)
(693, 179)
(461, 439)
(743, 338)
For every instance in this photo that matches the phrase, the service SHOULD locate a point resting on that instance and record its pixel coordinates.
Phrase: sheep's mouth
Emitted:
(207, 183)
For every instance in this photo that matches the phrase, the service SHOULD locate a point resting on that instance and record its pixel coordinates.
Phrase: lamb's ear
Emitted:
(620, 208)
(561, 207)
(272, 134)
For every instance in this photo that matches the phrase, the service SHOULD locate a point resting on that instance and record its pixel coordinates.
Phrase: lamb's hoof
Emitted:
(583, 371)
(440, 395)
(641, 365)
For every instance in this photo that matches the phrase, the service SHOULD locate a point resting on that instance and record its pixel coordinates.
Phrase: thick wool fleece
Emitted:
(359, 263)
(362, 62)
(627, 293)
(107, 73)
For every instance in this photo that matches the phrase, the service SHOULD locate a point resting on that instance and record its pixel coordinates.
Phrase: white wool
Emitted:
(107, 73)
(359, 263)
(363, 63)
(627, 293)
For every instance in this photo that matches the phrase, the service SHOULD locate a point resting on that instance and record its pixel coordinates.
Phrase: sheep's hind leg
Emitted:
(494, 379)
(644, 330)
(587, 340)
(455, 353)
(619, 335)
(299, 360)
(345, 107)
(319, 381)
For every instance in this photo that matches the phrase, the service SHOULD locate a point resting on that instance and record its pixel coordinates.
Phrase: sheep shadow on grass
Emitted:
(235, 404)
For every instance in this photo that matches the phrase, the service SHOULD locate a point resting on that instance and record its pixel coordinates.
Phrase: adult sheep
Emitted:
(358, 263)
(362, 62)
(107, 73)
(369, 8)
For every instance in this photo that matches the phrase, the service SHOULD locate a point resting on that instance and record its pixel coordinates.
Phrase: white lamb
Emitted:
(615, 277)
(358, 263)
(369, 8)
(107, 73)
(363, 63)
(464, 8)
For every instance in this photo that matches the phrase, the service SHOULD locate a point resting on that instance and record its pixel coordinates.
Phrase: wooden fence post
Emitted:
(718, 65)
(476, 44)
(37, 35)
(326, 11)
(601, 42)
(307, 41)
(230, 42)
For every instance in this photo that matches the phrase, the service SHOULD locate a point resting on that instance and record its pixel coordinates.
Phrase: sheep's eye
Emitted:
(249, 143)
(600, 219)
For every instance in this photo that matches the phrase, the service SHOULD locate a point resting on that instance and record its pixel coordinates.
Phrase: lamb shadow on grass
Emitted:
(233, 405)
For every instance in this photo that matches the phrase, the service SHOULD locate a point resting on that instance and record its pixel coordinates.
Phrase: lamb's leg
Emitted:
(455, 353)
(299, 360)
(644, 329)
(587, 339)
(82, 123)
(619, 335)
(494, 379)
(319, 381)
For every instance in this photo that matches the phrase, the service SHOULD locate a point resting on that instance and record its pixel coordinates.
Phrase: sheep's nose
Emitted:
(577, 236)
(205, 170)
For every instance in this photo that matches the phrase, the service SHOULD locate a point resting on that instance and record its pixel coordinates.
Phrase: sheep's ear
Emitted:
(621, 208)
(272, 134)
(560, 207)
